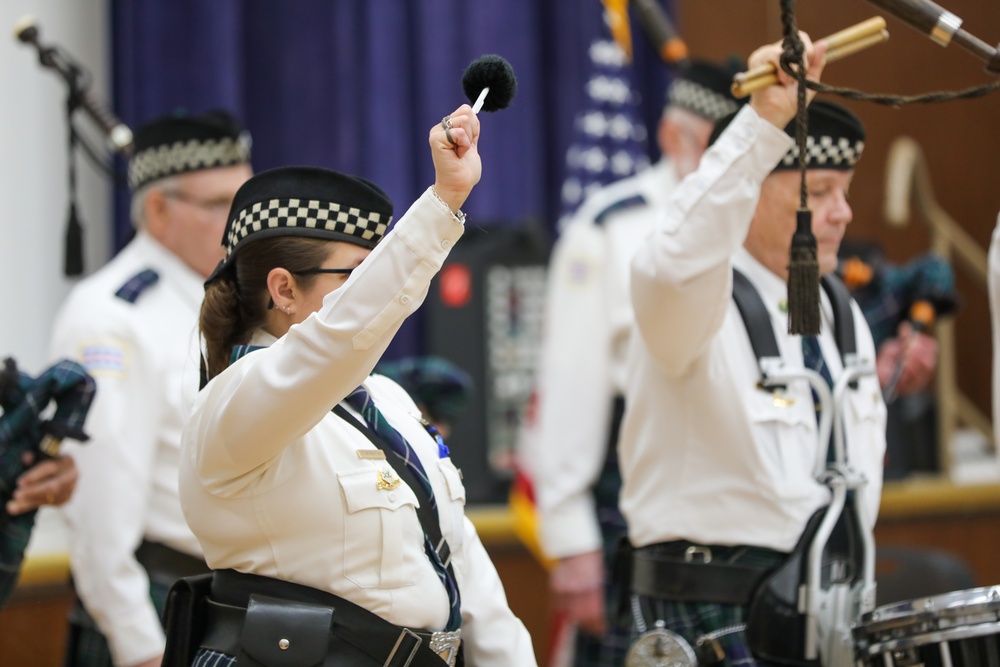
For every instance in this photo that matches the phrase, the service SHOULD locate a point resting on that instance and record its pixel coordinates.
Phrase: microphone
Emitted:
(660, 31)
(118, 134)
(492, 75)
(941, 26)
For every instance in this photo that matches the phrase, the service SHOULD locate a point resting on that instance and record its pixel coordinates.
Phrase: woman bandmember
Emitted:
(329, 508)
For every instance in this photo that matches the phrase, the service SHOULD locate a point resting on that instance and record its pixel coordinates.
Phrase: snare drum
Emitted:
(960, 629)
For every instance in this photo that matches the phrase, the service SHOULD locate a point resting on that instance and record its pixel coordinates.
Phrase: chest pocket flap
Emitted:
(377, 487)
(456, 490)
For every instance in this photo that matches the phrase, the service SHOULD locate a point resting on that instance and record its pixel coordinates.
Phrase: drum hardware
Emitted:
(958, 629)
(831, 612)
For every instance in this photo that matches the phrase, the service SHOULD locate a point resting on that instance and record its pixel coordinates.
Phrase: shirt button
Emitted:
(392, 497)
(405, 299)
(446, 243)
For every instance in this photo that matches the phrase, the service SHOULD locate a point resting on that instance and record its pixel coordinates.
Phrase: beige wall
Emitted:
(33, 187)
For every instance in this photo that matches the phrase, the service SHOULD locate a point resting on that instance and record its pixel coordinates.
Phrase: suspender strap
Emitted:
(758, 322)
(426, 512)
(755, 317)
(843, 315)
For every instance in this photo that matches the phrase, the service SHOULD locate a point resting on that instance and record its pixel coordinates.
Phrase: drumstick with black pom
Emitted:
(489, 83)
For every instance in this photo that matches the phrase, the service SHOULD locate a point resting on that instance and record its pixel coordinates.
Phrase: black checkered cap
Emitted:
(309, 202)
(181, 143)
(704, 88)
(835, 139)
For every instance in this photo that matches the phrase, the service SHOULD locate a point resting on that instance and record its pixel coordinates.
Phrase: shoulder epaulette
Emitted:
(618, 206)
(137, 284)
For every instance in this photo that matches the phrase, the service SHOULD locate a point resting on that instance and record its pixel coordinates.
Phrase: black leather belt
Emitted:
(693, 576)
(166, 565)
(352, 627)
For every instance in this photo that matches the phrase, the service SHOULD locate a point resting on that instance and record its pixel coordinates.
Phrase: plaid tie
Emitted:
(812, 356)
(363, 404)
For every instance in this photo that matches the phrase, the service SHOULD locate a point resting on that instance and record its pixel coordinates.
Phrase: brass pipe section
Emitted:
(839, 45)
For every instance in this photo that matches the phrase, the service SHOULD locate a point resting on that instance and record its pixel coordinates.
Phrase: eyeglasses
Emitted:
(215, 207)
(309, 272)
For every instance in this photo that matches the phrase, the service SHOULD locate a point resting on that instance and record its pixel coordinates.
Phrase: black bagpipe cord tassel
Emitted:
(803, 279)
(73, 265)
(803, 269)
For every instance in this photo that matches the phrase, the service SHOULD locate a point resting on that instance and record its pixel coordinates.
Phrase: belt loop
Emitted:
(406, 632)
(692, 551)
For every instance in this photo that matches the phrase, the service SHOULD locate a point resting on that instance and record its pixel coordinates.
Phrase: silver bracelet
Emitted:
(458, 215)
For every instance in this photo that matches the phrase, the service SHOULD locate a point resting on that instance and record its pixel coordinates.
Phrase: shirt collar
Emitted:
(172, 269)
(774, 291)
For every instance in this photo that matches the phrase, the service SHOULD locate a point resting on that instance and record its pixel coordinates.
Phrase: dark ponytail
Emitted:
(234, 307)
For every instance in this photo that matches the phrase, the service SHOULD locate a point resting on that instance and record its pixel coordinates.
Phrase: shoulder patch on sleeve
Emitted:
(136, 285)
(618, 206)
(104, 358)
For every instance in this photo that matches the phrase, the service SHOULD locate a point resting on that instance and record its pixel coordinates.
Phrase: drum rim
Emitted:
(906, 611)
(930, 638)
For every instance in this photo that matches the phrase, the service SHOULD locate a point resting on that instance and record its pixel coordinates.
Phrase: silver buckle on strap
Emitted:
(402, 635)
(446, 645)
(443, 551)
(703, 554)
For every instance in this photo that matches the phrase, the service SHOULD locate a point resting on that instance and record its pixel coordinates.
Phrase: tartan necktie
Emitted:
(812, 357)
(376, 421)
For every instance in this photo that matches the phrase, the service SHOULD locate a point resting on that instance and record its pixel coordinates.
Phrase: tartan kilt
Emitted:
(609, 650)
(692, 620)
(207, 658)
(86, 646)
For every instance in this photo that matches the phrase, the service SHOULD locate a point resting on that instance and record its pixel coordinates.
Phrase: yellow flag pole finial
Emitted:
(616, 13)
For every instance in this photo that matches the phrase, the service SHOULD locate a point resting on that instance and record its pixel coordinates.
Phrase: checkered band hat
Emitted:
(305, 201)
(705, 89)
(180, 143)
(836, 138)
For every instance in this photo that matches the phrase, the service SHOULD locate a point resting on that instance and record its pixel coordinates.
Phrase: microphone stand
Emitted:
(78, 98)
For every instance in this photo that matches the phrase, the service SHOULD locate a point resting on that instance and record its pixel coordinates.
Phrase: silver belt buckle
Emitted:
(446, 645)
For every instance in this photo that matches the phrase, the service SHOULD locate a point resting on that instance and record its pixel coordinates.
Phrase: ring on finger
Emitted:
(446, 123)
(447, 135)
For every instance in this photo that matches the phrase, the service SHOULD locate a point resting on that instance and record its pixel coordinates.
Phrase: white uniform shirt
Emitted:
(582, 363)
(275, 484)
(141, 355)
(706, 456)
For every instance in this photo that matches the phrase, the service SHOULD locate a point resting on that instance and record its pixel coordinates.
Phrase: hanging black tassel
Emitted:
(803, 279)
(73, 265)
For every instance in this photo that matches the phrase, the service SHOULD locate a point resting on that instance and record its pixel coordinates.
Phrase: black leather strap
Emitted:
(167, 565)
(755, 317)
(426, 513)
(761, 331)
(843, 315)
(667, 578)
(360, 638)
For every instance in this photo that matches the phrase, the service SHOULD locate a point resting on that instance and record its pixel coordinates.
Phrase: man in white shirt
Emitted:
(132, 325)
(719, 472)
(588, 325)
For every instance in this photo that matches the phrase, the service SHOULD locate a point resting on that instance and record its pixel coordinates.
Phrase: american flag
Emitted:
(610, 140)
